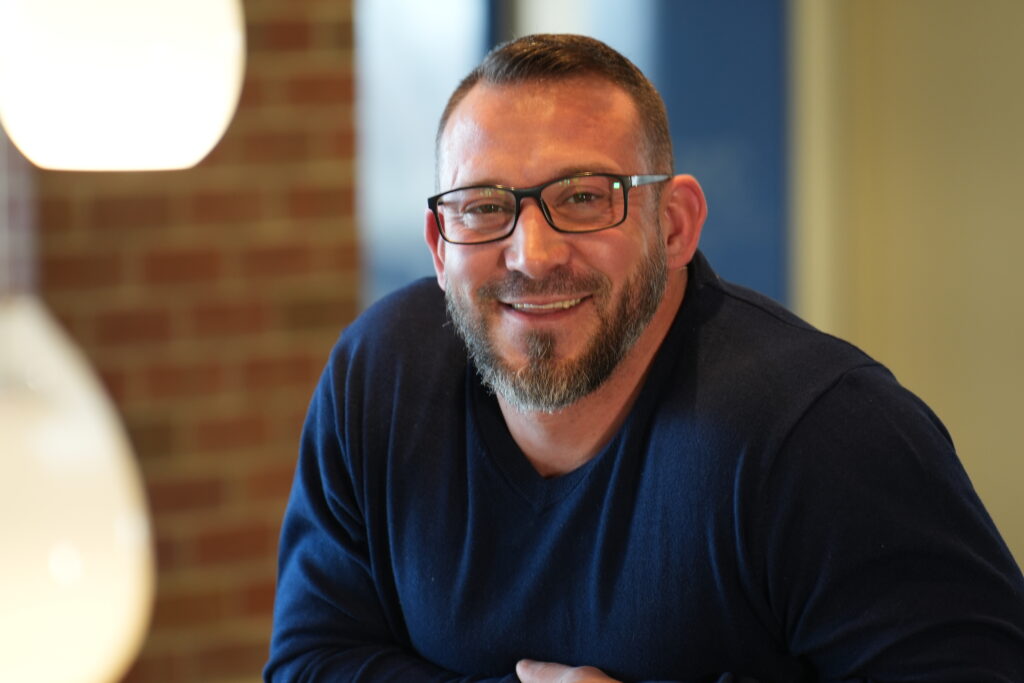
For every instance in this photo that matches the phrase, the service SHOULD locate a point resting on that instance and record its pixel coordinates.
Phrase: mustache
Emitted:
(560, 281)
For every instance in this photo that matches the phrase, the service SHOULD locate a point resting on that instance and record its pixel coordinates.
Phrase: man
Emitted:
(591, 459)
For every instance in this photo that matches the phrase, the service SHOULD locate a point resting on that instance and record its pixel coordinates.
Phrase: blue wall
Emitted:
(721, 67)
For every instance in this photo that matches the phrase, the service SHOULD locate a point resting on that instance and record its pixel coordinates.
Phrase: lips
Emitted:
(560, 291)
(541, 308)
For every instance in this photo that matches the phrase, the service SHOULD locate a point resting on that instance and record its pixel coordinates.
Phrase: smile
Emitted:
(553, 306)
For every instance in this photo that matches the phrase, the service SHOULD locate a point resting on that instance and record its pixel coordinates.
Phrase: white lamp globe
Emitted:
(78, 568)
(115, 85)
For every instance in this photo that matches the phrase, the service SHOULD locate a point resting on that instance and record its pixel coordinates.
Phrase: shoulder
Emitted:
(868, 519)
(406, 328)
(772, 337)
(747, 372)
(416, 308)
(399, 363)
(401, 350)
(750, 358)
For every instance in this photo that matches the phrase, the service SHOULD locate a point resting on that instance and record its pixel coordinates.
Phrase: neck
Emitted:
(559, 442)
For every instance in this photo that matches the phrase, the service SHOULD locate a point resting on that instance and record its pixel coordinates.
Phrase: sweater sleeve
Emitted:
(880, 561)
(330, 623)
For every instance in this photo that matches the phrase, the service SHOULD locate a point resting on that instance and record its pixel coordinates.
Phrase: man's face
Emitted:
(548, 316)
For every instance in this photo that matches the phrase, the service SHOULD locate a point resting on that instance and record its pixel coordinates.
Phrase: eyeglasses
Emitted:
(582, 202)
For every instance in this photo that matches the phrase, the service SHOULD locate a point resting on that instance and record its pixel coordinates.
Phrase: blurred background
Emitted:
(863, 161)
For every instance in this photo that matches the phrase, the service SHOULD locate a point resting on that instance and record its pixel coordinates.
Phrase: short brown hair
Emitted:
(553, 57)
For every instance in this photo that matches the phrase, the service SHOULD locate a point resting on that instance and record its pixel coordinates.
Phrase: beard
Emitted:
(546, 382)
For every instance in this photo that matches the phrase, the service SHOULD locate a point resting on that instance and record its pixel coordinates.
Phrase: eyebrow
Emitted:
(561, 173)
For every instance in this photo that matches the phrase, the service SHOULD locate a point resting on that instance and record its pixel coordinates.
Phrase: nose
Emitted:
(534, 247)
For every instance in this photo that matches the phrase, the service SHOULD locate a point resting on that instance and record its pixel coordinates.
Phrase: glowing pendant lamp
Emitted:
(77, 569)
(86, 85)
(78, 564)
(105, 85)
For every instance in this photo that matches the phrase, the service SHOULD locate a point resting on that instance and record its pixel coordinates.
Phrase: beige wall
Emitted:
(909, 210)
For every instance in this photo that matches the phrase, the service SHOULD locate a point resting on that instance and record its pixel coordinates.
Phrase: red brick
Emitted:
(280, 372)
(165, 380)
(170, 556)
(115, 382)
(226, 318)
(323, 313)
(225, 207)
(254, 93)
(193, 607)
(321, 202)
(320, 89)
(152, 437)
(226, 152)
(182, 266)
(77, 326)
(343, 144)
(271, 482)
(258, 598)
(277, 260)
(81, 271)
(237, 431)
(336, 34)
(231, 661)
(188, 493)
(54, 214)
(275, 146)
(158, 668)
(278, 35)
(240, 542)
(138, 326)
(341, 259)
(292, 424)
(130, 211)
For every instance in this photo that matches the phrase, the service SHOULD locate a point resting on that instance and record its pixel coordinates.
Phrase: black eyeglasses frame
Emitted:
(628, 183)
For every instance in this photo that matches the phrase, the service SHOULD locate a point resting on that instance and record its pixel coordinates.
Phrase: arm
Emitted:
(330, 623)
(879, 560)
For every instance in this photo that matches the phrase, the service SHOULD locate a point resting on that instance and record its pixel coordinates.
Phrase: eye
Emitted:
(578, 193)
(484, 208)
(582, 197)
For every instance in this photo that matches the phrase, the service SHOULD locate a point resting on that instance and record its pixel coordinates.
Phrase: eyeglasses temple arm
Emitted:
(637, 180)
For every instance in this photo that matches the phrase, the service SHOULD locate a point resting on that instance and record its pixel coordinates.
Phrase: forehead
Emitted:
(524, 134)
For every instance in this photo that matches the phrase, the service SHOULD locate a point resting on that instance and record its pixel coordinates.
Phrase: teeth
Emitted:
(558, 305)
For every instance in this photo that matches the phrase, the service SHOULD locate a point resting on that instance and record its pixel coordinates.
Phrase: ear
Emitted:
(683, 210)
(432, 236)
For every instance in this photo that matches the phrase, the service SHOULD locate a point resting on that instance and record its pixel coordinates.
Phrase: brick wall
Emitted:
(207, 299)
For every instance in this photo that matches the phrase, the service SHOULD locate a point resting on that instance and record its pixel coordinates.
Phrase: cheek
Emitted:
(469, 267)
(616, 259)
(455, 277)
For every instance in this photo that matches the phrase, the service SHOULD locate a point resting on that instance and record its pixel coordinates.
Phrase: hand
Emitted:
(549, 672)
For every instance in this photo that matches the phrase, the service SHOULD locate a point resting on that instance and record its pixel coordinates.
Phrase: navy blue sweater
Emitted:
(776, 507)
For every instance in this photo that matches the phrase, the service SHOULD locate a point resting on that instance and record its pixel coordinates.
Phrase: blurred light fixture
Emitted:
(88, 85)
(78, 569)
(119, 85)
